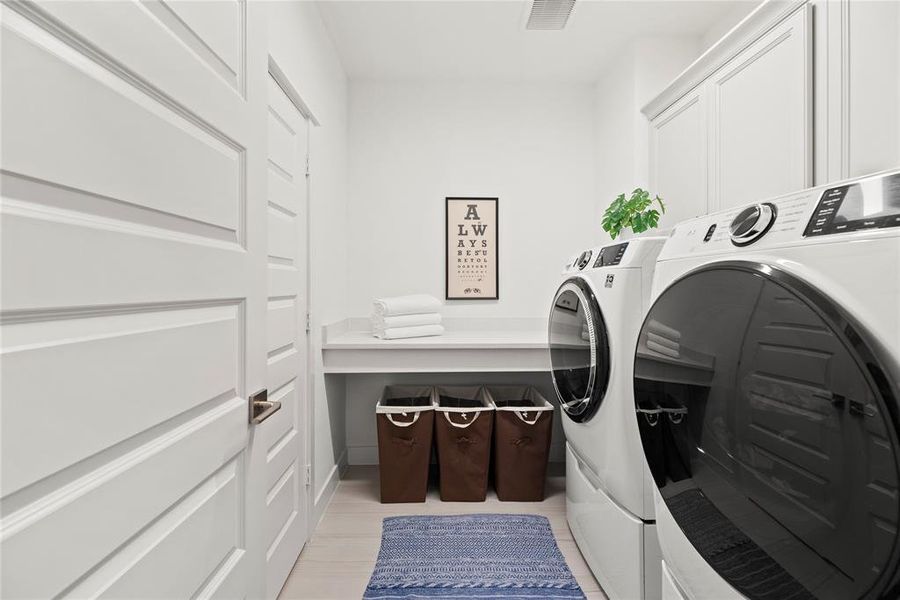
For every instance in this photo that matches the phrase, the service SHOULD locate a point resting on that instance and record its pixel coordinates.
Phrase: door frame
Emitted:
(306, 407)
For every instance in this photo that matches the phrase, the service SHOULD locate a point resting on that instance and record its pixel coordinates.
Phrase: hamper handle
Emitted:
(523, 416)
(460, 425)
(403, 423)
(651, 414)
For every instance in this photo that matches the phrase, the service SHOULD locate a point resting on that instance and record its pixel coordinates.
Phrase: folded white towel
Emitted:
(399, 333)
(379, 322)
(660, 349)
(406, 305)
(663, 341)
(663, 330)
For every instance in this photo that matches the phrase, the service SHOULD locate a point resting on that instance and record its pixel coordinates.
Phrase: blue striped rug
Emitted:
(470, 556)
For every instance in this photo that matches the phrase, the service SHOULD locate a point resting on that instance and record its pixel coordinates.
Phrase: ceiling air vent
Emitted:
(549, 14)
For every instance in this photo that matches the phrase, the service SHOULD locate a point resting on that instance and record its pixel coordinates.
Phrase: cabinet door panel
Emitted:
(678, 159)
(761, 117)
(873, 87)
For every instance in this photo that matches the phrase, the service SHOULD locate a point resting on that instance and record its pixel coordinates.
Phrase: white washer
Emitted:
(594, 322)
(767, 388)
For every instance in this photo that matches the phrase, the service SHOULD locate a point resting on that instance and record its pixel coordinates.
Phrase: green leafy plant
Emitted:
(634, 213)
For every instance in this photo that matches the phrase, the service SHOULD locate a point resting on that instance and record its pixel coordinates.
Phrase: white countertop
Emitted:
(477, 345)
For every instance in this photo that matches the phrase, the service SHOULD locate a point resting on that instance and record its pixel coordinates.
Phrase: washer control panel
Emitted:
(868, 204)
(610, 256)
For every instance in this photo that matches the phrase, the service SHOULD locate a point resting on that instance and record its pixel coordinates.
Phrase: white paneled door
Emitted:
(283, 435)
(134, 304)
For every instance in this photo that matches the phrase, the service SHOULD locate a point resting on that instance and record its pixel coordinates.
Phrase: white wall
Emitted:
(727, 22)
(621, 132)
(615, 138)
(411, 145)
(303, 49)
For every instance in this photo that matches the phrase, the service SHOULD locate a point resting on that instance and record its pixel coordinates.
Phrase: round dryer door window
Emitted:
(579, 350)
(769, 421)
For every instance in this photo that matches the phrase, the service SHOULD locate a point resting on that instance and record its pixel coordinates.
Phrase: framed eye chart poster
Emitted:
(471, 229)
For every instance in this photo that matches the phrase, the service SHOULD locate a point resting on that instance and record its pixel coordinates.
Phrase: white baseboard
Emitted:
(362, 455)
(368, 455)
(323, 497)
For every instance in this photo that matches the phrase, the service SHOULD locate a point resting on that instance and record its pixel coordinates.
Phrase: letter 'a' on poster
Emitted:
(471, 252)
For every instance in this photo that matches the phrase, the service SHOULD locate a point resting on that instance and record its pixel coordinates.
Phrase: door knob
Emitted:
(261, 408)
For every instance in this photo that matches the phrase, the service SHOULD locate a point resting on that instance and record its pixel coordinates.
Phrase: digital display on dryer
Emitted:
(869, 204)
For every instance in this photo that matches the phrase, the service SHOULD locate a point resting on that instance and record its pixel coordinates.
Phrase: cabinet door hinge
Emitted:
(307, 324)
(308, 476)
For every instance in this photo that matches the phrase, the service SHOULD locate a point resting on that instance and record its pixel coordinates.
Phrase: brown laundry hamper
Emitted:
(463, 425)
(523, 423)
(405, 420)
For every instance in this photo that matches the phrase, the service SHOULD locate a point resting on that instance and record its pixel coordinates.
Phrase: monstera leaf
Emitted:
(634, 213)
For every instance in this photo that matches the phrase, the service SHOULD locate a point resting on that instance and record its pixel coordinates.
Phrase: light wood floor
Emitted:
(338, 561)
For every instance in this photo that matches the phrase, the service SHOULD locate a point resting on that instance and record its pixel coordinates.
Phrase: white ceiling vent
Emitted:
(549, 14)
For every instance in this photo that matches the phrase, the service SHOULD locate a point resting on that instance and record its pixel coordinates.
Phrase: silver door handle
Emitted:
(261, 408)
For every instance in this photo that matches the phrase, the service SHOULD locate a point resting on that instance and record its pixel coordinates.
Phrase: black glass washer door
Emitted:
(579, 350)
(769, 421)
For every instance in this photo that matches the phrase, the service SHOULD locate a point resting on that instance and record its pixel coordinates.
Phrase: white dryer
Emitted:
(767, 381)
(594, 321)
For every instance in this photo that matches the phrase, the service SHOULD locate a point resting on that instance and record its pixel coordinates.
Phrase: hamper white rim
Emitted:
(380, 409)
(536, 395)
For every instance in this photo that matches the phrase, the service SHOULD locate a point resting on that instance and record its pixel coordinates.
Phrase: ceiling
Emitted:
(486, 39)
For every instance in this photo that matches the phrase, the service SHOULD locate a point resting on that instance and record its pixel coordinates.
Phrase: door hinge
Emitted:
(307, 165)
(308, 327)
(307, 479)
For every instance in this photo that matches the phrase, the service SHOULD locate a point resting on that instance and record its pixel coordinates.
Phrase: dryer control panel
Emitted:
(868, 204)
(785, 220)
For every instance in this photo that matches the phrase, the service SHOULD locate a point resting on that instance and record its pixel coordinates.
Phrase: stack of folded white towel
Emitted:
(664, 340)
(406, 317)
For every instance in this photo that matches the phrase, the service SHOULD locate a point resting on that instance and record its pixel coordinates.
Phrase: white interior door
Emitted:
(284, 435)
(133, 299)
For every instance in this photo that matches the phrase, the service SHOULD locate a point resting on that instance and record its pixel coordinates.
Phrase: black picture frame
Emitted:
(447, 254)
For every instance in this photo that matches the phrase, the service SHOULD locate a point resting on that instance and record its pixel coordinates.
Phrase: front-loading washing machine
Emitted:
(594, 321)
(766, 386)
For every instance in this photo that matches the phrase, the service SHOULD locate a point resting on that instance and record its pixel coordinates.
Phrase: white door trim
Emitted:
(293, 95)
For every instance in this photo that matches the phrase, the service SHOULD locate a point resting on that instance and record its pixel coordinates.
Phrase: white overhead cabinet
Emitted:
(870, 86)
(738, 124)
(760, 109)
(678, 158)
(742, 129)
